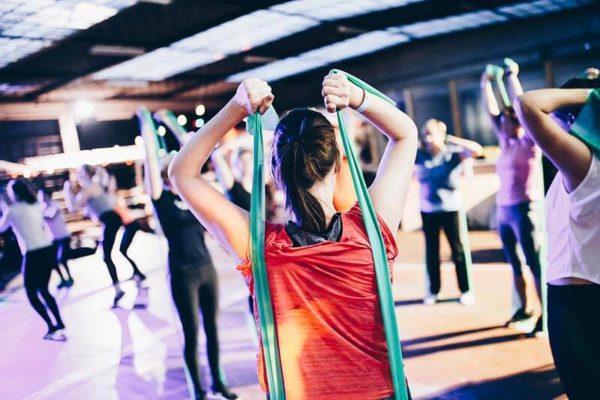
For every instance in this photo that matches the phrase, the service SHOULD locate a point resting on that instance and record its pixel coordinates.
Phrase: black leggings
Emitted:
(37, 267)
(519, 224)
(574, 330)
(196, 290)
(64, 253)
(432, 224)
(111, 222)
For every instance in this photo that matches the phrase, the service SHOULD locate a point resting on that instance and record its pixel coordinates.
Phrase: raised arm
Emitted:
(228, 223)
(470, 148)
(489, 98)
(390, 187)
(569, 154)
(512, 76)
(152, 178)
(167, 118)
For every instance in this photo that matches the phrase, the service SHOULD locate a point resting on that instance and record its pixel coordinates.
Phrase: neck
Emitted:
(323, 191)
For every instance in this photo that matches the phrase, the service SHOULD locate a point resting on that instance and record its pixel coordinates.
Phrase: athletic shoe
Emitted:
(55, 334)
(467, 299)
(70, 282)
(430, 299)
(538, 329)
(520, 315)
(138, 277)
(118, 296)
(223, 392)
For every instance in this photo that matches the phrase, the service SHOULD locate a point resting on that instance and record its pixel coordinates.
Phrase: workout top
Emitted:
(100, 204)
(327, 315)
(27, 222)
(239, 196)
(518, 168)
(55, 223)
(184, 233)
(573, 224)
(439, 176)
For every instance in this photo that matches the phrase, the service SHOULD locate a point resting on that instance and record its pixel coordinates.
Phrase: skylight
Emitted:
(317, 9)
(360, 45)
(27, 26)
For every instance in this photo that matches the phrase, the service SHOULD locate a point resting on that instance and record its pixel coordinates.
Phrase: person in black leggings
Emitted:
(98, 202)
(194, 284)
(25, 216)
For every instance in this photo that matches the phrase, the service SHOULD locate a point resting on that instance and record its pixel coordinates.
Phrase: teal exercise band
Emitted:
(268, 332)
(382, 275)
(587, 125)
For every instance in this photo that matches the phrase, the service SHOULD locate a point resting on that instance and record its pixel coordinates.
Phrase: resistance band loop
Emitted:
(382, 275)
(268, 333)
(146, 122)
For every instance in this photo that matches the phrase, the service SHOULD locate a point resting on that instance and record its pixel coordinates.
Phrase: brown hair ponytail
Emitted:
(304, 152)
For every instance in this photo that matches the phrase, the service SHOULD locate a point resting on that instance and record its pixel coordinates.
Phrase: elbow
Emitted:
(524, 105)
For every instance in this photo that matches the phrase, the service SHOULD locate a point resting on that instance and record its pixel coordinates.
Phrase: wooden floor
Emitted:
(134, 352)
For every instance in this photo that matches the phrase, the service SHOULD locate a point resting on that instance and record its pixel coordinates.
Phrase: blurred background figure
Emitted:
(101, 205)
(26, 217)
(519, 170)
(439, 162)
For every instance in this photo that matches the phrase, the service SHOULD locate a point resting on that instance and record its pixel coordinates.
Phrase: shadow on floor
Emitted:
(538, 384)
(460, 345)
(449, 335)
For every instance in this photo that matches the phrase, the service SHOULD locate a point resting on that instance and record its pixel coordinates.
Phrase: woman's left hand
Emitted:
(338, 93)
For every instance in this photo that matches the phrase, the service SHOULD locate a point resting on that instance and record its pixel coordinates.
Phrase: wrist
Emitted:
(236, 109)
(357, 96)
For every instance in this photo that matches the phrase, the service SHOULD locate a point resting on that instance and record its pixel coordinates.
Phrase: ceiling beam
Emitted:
(104, 110)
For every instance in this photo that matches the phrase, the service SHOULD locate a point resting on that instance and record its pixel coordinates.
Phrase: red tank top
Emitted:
(328, 321)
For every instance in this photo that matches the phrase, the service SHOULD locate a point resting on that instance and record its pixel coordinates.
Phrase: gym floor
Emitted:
(134, 352)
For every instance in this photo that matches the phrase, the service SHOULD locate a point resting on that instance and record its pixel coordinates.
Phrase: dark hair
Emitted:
(304, 152)
(22, 190)
(47, 194)
(569, 115)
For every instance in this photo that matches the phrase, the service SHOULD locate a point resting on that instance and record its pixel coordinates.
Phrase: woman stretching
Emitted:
(439, 162)
(573, 225)
(194, 284)
(26, 217)
(519, 169)
(99, 202)
(320, 266)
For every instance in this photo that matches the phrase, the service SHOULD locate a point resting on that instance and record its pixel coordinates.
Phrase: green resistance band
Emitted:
(498, 73)
(382, 276)
(259, 270)
(145, 120)
(587, 125)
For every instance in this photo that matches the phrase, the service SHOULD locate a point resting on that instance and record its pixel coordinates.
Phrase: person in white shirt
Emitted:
(573, 225)
(25, 217)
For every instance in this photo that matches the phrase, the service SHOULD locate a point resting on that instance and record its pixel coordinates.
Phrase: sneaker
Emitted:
(430, 299)
(138, 277)
(118, 296)
(55, 334)
(70, 282)
(201, 395)
(538, 329)
(520, 315)
(223, 392)
(467, 299)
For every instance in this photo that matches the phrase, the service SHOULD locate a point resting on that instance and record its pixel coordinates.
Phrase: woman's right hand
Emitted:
(254, 95)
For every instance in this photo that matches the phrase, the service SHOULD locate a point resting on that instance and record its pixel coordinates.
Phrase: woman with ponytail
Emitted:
(319, 264)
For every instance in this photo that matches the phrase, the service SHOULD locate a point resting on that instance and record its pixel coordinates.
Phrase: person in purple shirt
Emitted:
(519, 169)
